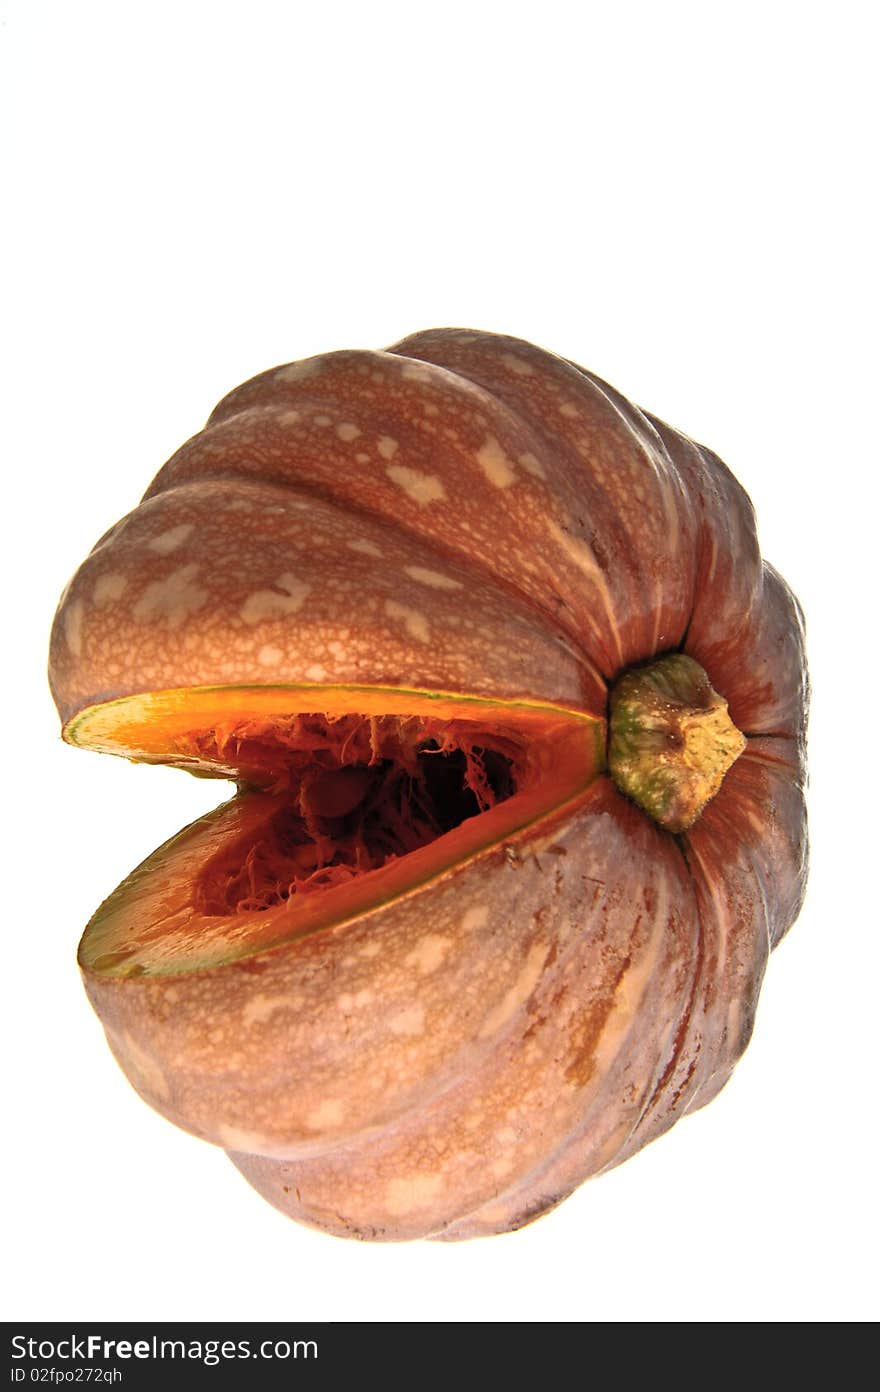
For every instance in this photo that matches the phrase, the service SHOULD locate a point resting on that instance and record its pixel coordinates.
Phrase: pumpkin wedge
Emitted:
(516, 715)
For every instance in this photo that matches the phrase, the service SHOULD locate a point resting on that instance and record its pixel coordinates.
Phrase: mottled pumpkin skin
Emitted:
(466, 513)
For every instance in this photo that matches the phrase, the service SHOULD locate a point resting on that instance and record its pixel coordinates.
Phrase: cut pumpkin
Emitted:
(336, 814)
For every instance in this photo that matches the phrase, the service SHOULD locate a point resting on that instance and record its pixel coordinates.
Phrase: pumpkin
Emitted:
(516, 714)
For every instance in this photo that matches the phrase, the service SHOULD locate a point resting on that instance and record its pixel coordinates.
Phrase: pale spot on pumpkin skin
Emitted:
(261, 1008)
(402, 1195)
(495, 1213)
(581, 555)
(107, 589)
(506, 1136)
(330, 1112)
(502, 1166)
(495, 464)
(249, 1142)
(387, 446)
(435, 578)
(366, 548)
(354, 1000)
(517, 364)
(410, 1021)
(415, 371)
(519, 992)
(322, 420)
(576, 549)
(269, 604)
(174, 598)
(73, 620)
(474, 918)
(289, 417)
(362, 458)
(269, 656)
(348, 431)
(416, 624)
(145, 1067)
(532, 465)
(316, 672)
(429, 953)
(568, 409)
(299, 371)
(422, 488)
(169, 541)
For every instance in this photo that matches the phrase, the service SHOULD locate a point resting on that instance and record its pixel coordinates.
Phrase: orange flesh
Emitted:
(337, 812)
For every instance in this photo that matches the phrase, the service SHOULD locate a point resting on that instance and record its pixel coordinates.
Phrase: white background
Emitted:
(676, 195)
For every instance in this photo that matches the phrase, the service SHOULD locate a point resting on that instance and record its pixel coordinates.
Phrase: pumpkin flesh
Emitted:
(335, 814)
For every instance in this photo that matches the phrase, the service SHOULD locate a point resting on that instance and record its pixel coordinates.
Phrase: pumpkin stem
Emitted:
(671, 740)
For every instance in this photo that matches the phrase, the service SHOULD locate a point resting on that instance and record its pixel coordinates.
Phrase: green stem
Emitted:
(671, 740)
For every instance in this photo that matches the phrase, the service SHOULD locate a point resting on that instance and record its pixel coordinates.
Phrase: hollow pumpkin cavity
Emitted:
(337, 812)
(355, 792)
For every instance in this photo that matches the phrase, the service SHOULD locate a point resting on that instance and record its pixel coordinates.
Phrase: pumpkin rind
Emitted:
(464, 513)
